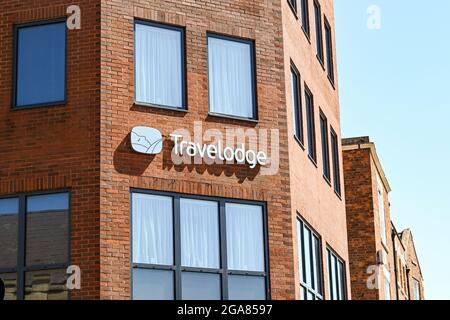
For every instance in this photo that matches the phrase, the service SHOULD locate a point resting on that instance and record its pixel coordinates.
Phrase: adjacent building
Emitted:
(91, 94)
(383, 262)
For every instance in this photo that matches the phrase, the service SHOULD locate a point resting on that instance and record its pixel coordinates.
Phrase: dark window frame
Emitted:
(330, 253)
(336, 163)
(183, 57)
(319, 34)
(16, 28)
(329, 50)
(293, 5)
(21, 268)
(223, 271)
(298, 109)
(325, 147)
(251, 42)
(319, 264)
(311, 125)
(305, 18)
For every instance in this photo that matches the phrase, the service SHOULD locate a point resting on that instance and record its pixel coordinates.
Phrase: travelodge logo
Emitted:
(213, 147)
(146, 140)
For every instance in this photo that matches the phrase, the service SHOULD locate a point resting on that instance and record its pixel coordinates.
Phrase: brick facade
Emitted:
(83, 145)
(365, 180)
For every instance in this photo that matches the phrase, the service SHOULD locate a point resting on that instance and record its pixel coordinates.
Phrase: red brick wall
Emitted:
(122, 169)
(57, 147)
(359, 198)
(312, 196)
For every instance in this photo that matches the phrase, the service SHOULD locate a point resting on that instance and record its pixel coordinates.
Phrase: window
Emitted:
(305, 16)
(336, 167)
(180, 242)
(40, 77)
(337, 280)
(231, 67)
(296, 104)
(34, 246)
(310, 263)
(293, 5)
(416, 289)
(329, 44)
(309, 101)
(325, 148)
(319, 39)
(159, 65)
(381, 211)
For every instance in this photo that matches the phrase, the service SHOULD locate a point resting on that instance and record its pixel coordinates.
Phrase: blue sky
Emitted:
(394, 87)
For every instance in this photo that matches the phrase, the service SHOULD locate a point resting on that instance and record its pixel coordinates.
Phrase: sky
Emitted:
(394, 87)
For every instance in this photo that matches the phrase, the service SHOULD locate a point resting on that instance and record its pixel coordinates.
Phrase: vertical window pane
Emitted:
(47, 229)
(317, 265)
(296, 105)
(246, 288)
(152, 229)
(329, 43)
(10, 282)
(336, 167)
(46, 285)
(9, 209)
(311, 125)
(200, 234)
(231, 79)
(308, 257)
(381, 210)
(201, 286)
(159, 65)
(153, 285)
(41, 64)
(305, 16)
(300, 251)
(325, 149)
(318, 16)
(245, 241)
(293, 3)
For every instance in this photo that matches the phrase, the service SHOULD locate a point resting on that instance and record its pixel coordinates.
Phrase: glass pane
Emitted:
(47, 229)
(245, 241)
(159, 66)
(9, 209)
(201, 286)
(230, 77)
(302, 293)
(199, 233)
(317, 265)
(41, 75)
(152, 221)
(10, 282)
(300, 250)
(341, 280)
(308, 256)
(46, 285)
(48, 202)
(246, 288)
(153, 285)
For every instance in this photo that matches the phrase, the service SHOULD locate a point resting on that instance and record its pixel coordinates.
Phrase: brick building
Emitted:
(383, 262)
(76, 104)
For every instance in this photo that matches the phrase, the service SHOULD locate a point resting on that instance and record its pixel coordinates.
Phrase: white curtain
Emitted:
(199, 233)
(152, 220)
(245, 241)
(230, 77)
(158, 66)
